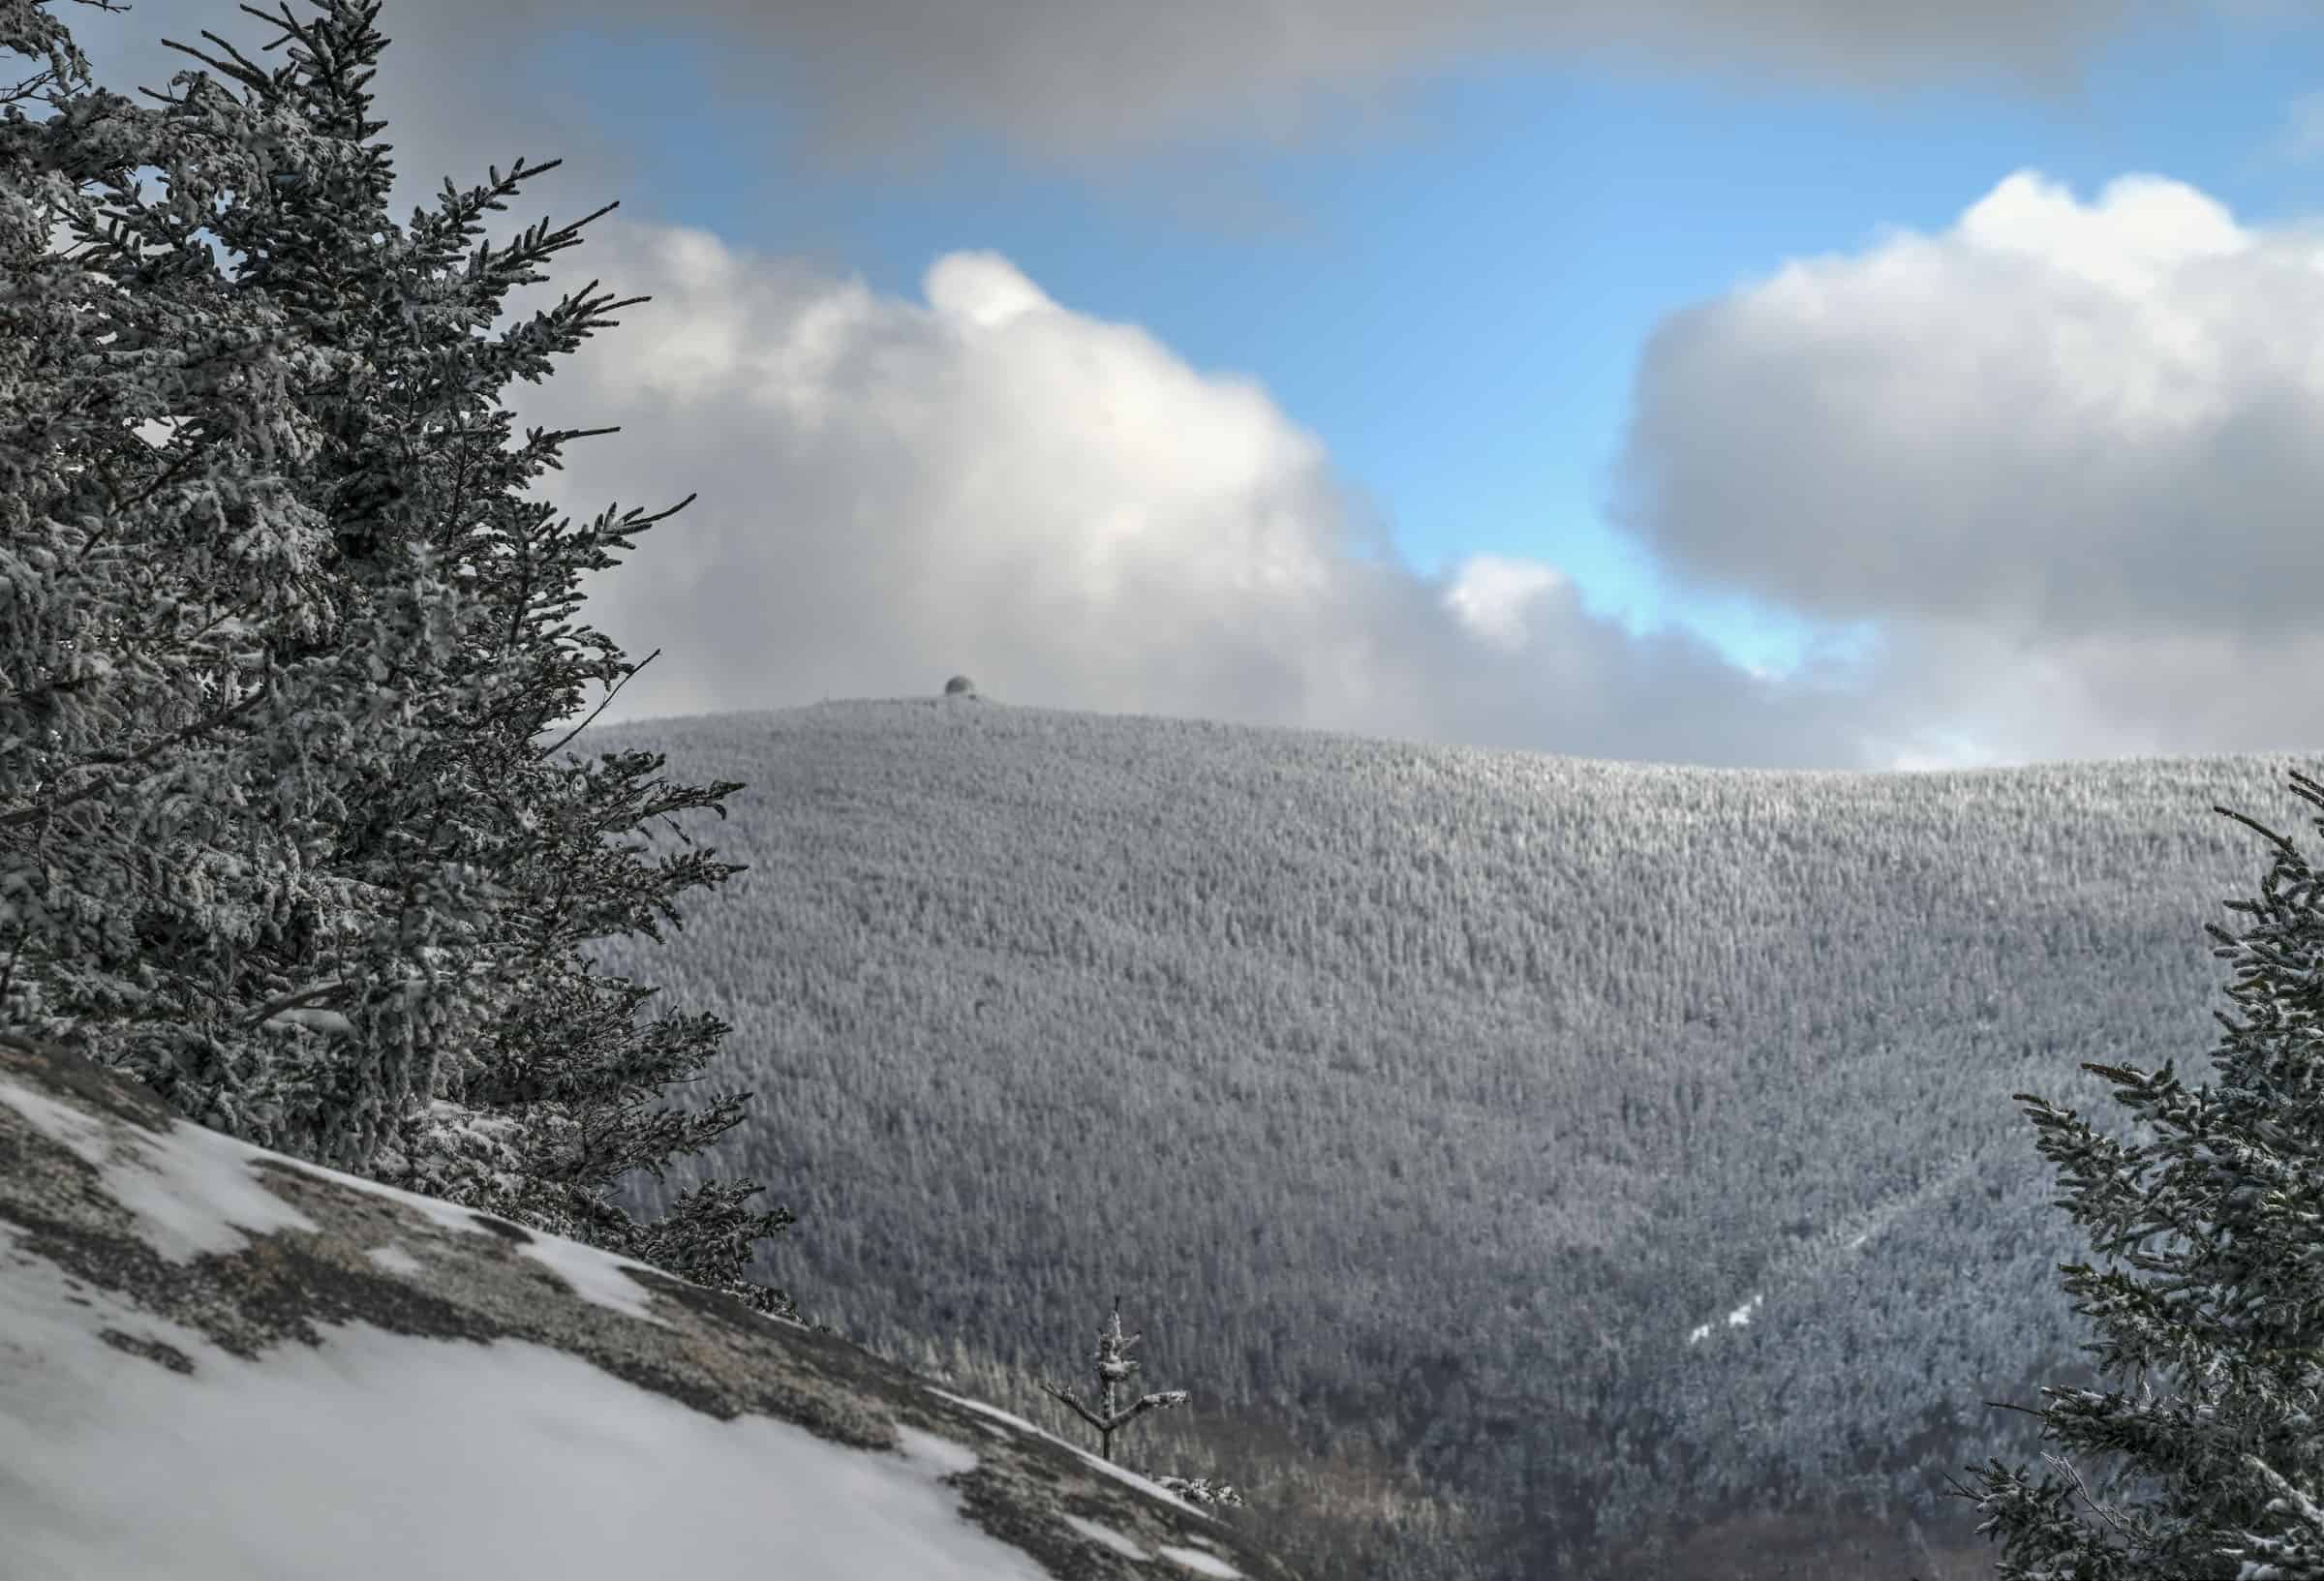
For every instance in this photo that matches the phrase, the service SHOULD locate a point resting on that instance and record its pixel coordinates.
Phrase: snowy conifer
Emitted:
(2211, 1310)
(161, 799)
(1112, 1408)
(291, 834)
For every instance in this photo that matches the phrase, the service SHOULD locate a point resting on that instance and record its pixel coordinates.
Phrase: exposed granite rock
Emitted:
(94, 1176)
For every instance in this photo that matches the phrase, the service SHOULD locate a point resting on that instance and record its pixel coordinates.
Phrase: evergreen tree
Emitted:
(2211, 1308)
(153, 841)
(291, 665)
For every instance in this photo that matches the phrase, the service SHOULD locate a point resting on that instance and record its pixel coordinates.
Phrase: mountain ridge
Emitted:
(1371, 1063)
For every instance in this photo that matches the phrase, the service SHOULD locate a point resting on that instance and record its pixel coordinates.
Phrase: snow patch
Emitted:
(443, 1214)
(595, 1276)
(395, 1259)
(374, 1456)
(993, 1411)
(1107, 1537)
(935, 1453)
(1199, 1563)
(1737, 1319)
(1106, 1466)
(330, 1022)
(189, 1187)
(1134, 1481)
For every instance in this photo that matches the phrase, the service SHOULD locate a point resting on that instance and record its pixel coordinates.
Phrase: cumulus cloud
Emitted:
(2063, 454)
(987, 480)
(1493, 595)
(1081, 81)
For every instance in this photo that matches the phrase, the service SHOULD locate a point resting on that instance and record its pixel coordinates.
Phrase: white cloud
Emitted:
(2063, 454)
(1493, 594)
(982, 289)
(991, 482)
(2133, 244)
(2040, 454)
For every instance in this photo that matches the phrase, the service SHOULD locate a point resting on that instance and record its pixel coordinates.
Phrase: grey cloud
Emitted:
(1080, 77)
(1083, 80)
(450, 88)
(1956, 695)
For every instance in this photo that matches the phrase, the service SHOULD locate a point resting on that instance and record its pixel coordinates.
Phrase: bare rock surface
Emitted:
(217, 1361)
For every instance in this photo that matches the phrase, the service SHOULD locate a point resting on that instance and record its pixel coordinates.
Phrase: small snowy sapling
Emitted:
(1115, 1368)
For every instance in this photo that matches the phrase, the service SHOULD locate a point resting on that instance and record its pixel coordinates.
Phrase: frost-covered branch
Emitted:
(132, 757)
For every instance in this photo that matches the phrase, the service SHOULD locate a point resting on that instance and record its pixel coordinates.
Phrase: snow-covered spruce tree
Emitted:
(2211, 1311)
(407, 991)
(161, 779)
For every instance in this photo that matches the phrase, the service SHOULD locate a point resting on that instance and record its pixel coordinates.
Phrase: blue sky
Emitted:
(1454, 295)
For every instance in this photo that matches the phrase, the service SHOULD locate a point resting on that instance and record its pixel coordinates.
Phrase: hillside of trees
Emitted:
(1605, 1149)
(1525, 1166)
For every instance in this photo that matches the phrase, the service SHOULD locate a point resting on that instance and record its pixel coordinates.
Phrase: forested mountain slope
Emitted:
(1617, 1141)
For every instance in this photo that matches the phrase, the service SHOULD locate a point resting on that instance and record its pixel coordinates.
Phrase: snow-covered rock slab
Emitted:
(217, 1364)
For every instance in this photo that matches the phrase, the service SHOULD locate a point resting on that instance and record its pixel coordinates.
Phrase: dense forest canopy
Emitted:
(1605, 1141)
